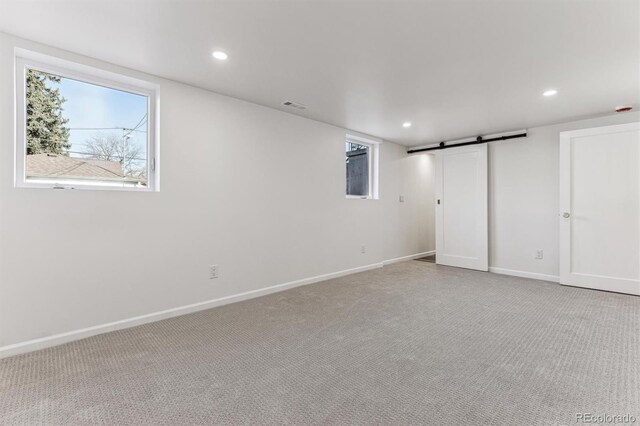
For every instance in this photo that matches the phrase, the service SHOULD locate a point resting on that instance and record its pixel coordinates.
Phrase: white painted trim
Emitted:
(374, 167)
(363, 139)
(24, 60)
(524, 274)
(59, 339)
(405, 258)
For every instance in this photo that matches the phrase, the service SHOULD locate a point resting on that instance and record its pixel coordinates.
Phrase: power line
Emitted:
(92, 154)
(140, 123)
(124, 129)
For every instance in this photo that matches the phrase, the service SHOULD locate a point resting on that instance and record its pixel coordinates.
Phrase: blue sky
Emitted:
(90, 106)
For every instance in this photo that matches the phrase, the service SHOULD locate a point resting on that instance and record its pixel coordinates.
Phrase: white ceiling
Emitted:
(452, 68)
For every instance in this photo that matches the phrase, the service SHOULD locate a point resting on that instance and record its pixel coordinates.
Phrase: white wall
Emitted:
(257, 191)
(417, 214)
(76, 259)
(524, 194)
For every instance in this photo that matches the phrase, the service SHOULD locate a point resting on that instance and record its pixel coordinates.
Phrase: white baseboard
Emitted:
(405, 258)
(523, 274)
(58, 339)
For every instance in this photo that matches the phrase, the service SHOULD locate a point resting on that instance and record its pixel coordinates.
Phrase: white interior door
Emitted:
(600, 208)
(461, 207)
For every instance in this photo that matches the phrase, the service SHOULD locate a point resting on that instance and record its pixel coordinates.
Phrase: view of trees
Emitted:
(46, 131)
(110, 147)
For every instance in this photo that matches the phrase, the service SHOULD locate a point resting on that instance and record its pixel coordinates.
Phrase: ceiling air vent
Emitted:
(294, 105)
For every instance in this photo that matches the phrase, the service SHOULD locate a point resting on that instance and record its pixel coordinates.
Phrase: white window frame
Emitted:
(373, 166)
(24, 60)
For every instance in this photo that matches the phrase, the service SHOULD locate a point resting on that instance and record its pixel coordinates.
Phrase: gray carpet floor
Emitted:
(411, 343)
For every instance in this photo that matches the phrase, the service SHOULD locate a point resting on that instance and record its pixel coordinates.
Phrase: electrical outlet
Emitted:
(401, 199)
(213, 272)
(539, 254)
(363, 249)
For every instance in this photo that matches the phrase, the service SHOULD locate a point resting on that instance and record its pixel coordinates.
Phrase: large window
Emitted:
(362, 165)
(79, 127)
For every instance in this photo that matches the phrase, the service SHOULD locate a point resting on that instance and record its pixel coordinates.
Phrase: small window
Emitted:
(362, 174)
(78, 129)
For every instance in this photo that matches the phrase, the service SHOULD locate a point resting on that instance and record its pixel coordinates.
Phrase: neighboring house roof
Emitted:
(62, 166)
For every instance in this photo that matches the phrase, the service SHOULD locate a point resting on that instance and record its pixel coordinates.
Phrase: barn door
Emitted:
(461, 207)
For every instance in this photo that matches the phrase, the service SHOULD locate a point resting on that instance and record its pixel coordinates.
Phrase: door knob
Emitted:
(566, 215)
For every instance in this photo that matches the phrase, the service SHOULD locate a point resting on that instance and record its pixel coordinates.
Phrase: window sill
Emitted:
(82, 186)
(358, 197)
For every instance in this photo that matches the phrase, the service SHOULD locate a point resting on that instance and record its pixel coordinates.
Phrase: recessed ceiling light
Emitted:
(550, 92)
(219, 54)
(406, 124)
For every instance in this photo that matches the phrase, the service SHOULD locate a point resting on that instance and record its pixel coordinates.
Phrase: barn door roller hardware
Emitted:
(478, 140)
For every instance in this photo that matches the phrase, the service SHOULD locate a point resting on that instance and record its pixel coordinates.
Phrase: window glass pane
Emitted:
(85, 133)
(357, 169)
